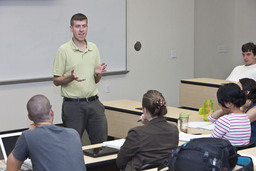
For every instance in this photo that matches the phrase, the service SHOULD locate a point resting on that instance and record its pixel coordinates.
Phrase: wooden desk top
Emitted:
(248, 151)
(173, 112)
(124, 104)
(206, 81)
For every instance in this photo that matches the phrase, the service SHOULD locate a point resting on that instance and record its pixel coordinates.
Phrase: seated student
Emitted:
(152, 142)
(48, 146)
(249, 87)
(248, 69)
(230, 122)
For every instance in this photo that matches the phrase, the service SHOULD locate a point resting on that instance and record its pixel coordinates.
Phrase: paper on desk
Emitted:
(114, 143)
(27, 165)
(201, 125)
(186, 137)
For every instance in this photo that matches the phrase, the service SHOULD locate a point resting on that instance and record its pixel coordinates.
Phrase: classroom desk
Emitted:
(122, 115)
(193, 92)
(109, 161)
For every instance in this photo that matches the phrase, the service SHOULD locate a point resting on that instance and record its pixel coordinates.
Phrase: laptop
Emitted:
(7, 142)
(100, 151)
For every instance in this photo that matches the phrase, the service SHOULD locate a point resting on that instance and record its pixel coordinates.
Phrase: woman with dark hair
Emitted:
(230, 122)
(249, 87)
(152, 142)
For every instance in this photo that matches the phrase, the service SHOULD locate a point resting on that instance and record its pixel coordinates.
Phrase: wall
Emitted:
(38, 34)
(221, 27)
(161, 26)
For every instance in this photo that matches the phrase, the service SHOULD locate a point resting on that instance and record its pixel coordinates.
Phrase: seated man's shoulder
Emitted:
(72, 132)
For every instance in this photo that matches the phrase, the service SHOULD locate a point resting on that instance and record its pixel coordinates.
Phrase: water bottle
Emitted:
(207, 109)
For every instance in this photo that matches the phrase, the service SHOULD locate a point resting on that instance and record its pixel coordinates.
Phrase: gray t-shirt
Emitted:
(51, 148)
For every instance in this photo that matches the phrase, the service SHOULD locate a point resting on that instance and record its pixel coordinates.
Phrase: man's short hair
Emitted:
(39, 108)
(79, 17)
(249, 47)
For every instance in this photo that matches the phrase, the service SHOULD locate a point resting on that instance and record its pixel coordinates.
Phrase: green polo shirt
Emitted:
(69, 57)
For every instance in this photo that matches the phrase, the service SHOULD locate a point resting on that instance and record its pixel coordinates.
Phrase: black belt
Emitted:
(89, 99)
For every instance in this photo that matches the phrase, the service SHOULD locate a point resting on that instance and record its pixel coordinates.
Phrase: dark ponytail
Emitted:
(231, 92)
(249, 88)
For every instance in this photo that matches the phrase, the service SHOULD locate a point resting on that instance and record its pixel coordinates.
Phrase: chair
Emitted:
(242, 147)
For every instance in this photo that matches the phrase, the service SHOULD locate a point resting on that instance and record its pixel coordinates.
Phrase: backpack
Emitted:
(206, 154)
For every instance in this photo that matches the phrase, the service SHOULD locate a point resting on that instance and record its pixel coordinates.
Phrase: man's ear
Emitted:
(29, 117)
(51, 113)
(71, 28)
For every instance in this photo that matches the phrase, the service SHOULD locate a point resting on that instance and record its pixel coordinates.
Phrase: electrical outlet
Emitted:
(173, 53)
(107, 88)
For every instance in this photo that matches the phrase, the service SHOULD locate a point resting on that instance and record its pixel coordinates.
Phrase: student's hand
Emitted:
(75, 77)
(100, 68)
(143, 119)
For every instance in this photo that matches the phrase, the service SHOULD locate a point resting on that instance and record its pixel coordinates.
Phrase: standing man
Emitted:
(48, 146)
(77, 69)
(248, 70)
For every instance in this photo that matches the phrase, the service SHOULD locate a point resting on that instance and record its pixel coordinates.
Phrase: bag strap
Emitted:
(226, 157)
(246, 162)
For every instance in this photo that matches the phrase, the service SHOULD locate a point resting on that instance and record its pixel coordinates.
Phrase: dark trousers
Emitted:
(87, 116)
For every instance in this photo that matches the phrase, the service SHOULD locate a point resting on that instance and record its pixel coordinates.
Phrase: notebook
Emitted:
(7, 142)
(114, 143)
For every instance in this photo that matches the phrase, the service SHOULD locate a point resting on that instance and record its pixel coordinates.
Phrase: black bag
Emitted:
(204, 154)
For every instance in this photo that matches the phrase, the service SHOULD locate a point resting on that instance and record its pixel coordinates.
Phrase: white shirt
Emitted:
(243, 71)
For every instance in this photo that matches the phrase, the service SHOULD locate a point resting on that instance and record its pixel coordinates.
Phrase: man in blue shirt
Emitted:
(48, 146)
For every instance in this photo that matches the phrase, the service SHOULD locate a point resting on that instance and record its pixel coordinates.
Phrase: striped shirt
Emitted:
(235, 127)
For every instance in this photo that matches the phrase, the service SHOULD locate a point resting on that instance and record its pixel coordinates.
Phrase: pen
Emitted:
(139, 120)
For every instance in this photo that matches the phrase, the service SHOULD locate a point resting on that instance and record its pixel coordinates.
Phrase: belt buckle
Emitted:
(86, 99)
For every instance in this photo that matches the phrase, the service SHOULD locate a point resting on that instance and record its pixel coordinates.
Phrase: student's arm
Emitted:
(217, 114)
(252, 114)
(63, 80)
(13, 164)
(128, 150)
(221, 128)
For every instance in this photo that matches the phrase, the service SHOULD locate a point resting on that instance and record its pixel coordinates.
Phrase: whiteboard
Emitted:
(32, 30)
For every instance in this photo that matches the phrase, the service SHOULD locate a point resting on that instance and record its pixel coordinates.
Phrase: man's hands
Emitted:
(98, 71)
(75, 77)
(100, 68)
(63, 80)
